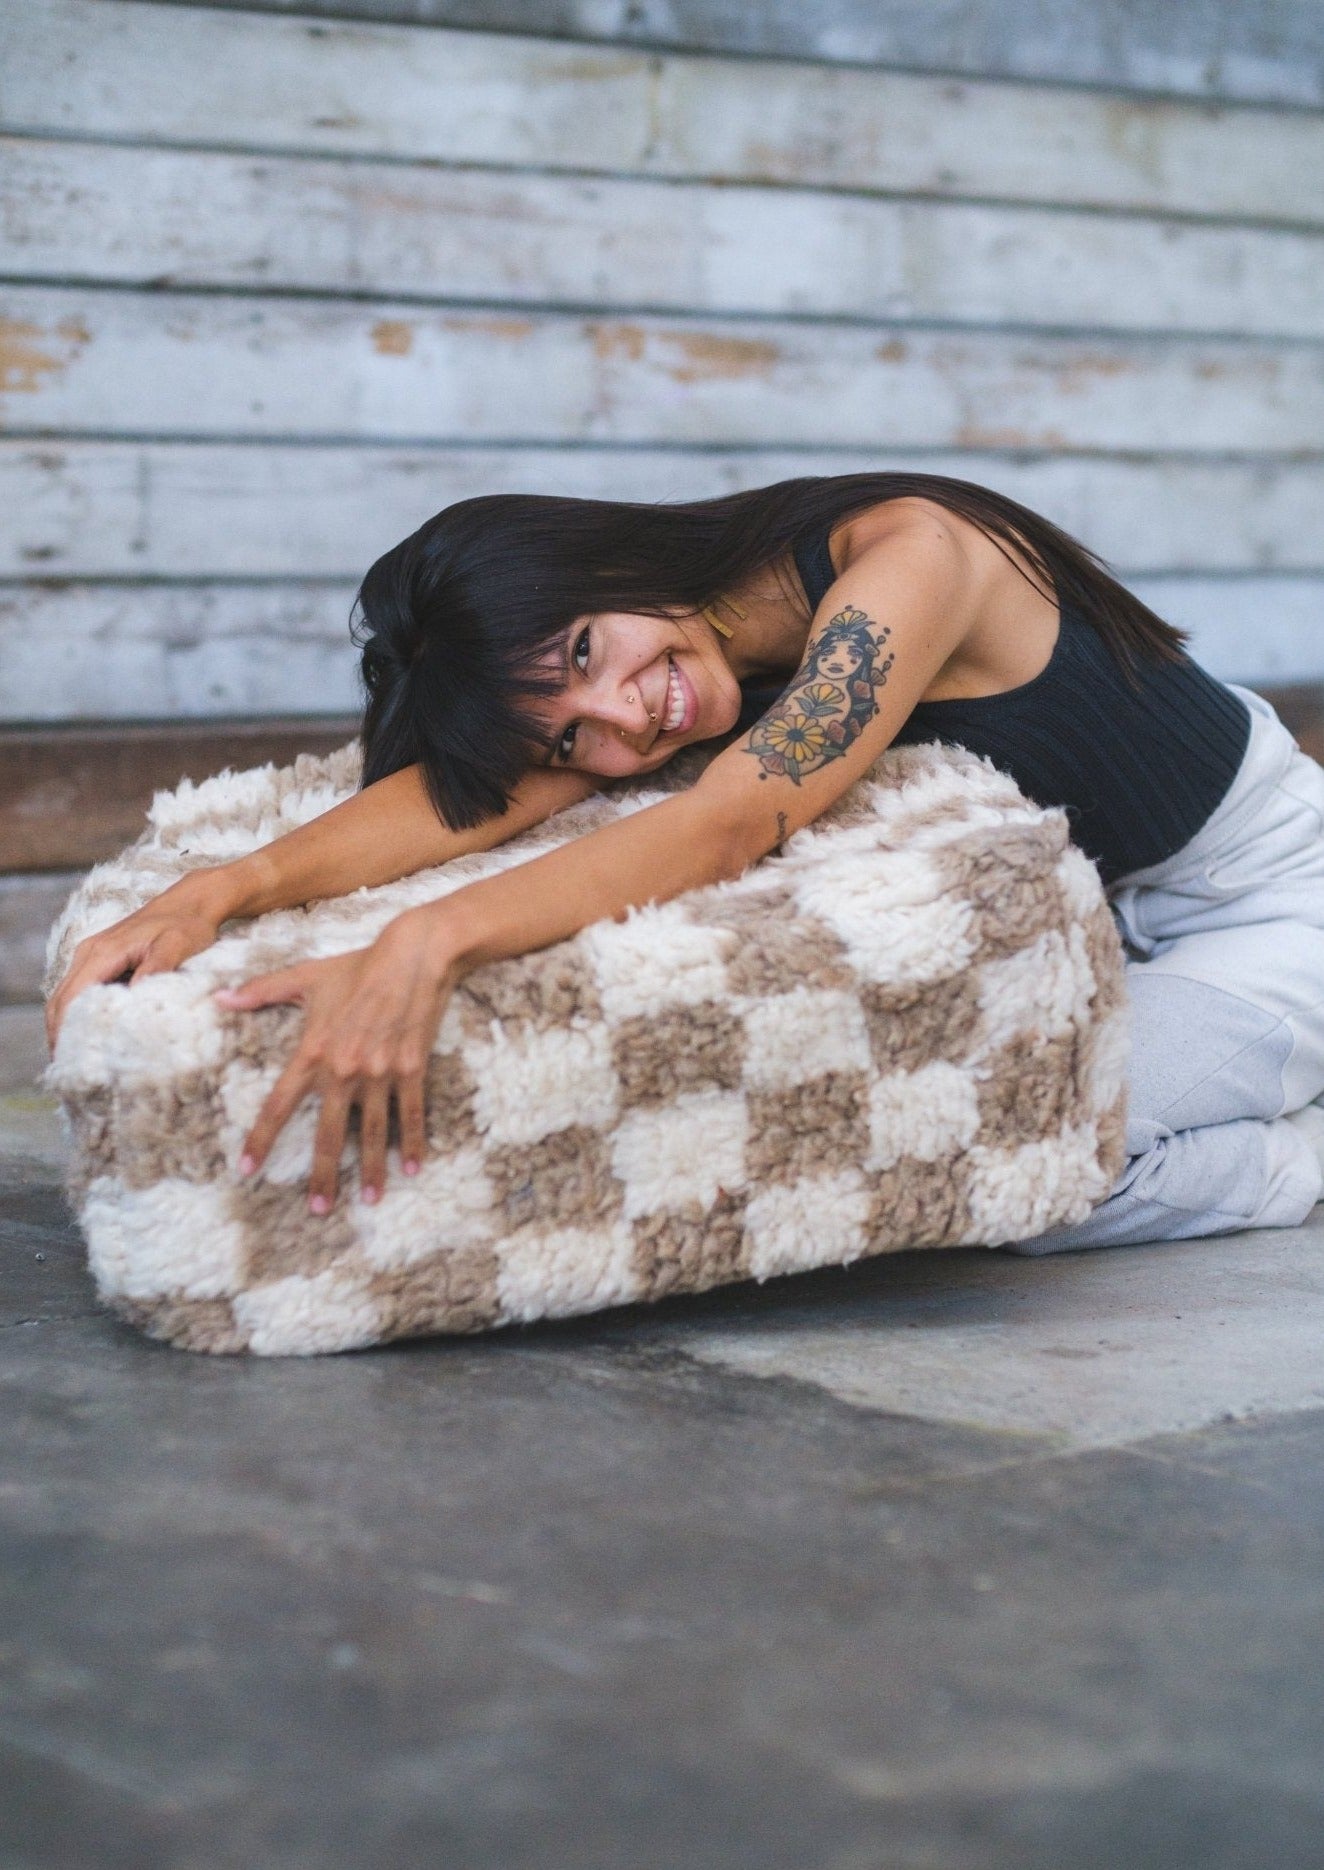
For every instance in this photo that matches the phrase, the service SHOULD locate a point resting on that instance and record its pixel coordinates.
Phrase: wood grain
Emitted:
(107, 362)
(124, 650)
(212, 510)
(139, 73)
(189, 218)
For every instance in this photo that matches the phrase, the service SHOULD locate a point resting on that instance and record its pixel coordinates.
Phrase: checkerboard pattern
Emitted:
(908, 1029)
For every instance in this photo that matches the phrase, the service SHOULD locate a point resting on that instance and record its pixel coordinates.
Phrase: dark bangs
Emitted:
(455, 626)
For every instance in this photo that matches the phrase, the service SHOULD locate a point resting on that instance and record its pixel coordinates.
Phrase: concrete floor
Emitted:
(940, 1562)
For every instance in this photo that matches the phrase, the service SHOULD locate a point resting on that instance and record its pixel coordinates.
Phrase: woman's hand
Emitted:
(370, 1019)
(154, 939)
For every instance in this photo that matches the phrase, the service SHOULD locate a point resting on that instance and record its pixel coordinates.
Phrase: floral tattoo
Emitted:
(830, 702)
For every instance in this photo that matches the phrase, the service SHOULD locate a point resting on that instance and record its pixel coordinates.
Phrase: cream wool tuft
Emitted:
(906, 1029)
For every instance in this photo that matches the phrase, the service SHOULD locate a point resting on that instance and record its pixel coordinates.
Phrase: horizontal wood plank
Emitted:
(183, 218)
(209, 510)
(1257, 49)
(142, 73)
(87, 652)
(107, 362)
(91, 651)
(70, 795)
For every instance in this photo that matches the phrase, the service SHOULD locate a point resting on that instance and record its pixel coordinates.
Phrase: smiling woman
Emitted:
(518, 629)
(519, 651)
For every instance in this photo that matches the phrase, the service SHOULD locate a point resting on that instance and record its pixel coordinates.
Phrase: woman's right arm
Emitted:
(387, 831)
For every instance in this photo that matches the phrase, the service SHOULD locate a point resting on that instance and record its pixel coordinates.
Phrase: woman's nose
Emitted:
(624, 708)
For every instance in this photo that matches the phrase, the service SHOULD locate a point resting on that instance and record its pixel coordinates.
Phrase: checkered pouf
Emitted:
(906, 1030)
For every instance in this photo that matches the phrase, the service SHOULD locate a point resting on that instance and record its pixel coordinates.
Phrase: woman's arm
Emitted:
(893, 619)
(388, 830)
(897, 616)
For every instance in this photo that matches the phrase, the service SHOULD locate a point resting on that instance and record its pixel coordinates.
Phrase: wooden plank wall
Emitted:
(276, 287)
(1269, 51)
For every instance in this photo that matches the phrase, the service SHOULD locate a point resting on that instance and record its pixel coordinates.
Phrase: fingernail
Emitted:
(247, 1164)
(369, 1195)
(411, 1167)
(319, 1204)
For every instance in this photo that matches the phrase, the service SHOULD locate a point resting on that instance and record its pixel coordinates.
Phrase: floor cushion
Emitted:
(906, 1029)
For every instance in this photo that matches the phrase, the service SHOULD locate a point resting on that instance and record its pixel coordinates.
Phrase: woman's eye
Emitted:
(579, 654)
(565, 746)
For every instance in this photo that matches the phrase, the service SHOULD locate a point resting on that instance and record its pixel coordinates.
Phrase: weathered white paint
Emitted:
(125, 651)
(232, 510)
(120, 652)
(1266, 631)
(201, 218)
(1270, 49)
(1045, 318)
(116, 363)
(141, 73)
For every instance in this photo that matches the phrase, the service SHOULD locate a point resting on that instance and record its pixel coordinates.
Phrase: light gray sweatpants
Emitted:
(1225, 967)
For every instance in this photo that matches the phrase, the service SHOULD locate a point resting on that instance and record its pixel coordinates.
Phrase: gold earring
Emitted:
(723, 629)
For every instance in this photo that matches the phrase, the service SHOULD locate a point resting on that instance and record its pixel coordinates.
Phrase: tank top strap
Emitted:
(813, 561)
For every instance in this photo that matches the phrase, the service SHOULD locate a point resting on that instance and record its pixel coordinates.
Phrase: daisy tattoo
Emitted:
(830, 702)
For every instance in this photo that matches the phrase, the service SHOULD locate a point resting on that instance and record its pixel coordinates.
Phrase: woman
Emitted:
(518, 652)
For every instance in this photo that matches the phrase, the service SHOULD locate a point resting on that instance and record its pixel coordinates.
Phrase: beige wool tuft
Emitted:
(906, 1029)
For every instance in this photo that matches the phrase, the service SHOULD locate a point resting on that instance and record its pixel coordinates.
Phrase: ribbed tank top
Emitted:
(1138, 771)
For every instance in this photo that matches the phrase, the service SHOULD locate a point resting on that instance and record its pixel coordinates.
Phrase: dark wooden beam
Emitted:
(71, 795)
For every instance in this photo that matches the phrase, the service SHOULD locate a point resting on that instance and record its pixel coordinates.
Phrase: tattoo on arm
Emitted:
(830, 701)
(781, 829)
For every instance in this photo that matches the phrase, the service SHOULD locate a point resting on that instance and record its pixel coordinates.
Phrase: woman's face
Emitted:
(637, 689)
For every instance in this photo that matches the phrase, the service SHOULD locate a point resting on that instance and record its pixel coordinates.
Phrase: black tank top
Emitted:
(1138, 771)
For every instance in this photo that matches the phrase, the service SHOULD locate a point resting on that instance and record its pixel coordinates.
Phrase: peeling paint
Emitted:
(1073, 377)
(513, 330)
(708, 357)
(23, 366)
(1136, 131)
(975, 435)
(393, 337)
(609, 68)
(611, 341)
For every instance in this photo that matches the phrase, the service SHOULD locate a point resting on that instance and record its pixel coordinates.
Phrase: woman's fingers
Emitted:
(281, 988)
(374, 1110)
(329, 1143)
(162, 955)
(413, 1127)
(370, 1022)
(94, 963)
(283, 1100)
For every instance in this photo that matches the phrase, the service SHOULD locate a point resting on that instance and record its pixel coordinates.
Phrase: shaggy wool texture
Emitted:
(907, 1029)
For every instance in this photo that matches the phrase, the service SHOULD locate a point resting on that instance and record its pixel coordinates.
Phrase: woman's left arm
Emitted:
(879, 637)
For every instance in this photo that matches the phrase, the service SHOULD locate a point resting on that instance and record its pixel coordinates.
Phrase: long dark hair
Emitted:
(456, 619)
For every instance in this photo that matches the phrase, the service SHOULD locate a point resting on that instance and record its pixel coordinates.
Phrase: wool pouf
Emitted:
(908, 1028)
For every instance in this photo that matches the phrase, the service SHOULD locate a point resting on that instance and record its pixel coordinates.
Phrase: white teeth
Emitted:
(675, 700)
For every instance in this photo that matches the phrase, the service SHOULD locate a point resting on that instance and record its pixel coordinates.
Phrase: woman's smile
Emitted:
(682, 707)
